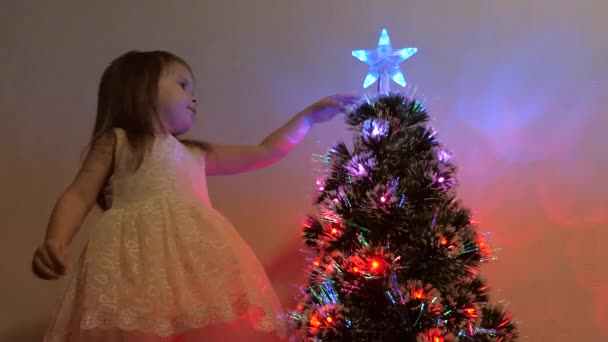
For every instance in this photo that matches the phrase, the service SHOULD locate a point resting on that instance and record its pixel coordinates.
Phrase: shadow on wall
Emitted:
(32, 331)
(288, 273)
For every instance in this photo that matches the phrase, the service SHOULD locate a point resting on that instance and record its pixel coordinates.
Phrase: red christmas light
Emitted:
(329, 319)
(444, 241)
(484, 247)
(418, 294)
(375, 264)
(434, 335)
(314, 321)
(504, 322)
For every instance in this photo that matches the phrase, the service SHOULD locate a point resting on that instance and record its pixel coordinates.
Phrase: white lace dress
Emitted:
(162, 263)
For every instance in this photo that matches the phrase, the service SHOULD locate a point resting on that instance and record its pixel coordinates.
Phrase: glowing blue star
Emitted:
(384, 63)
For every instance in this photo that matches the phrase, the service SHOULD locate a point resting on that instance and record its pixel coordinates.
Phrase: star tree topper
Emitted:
(384, 63)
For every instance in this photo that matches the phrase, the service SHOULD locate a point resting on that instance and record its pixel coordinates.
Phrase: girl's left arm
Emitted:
(233, 159)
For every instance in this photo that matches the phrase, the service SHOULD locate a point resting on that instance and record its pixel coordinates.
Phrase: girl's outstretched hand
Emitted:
(50, 260)
(327, 108)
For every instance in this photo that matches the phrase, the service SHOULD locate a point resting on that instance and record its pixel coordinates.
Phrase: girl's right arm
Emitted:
(50, 259)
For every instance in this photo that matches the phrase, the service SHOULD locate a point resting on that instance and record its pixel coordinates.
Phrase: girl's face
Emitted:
(176, 102)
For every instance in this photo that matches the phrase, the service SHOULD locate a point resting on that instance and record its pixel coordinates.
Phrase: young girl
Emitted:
(161, 264)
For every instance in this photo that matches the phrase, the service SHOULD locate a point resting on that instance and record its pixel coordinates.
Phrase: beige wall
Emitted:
(515, 88)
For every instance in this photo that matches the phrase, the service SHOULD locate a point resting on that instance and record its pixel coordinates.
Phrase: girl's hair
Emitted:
(128, 96)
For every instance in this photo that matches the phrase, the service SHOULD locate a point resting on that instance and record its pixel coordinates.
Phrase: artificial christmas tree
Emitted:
(394, 254)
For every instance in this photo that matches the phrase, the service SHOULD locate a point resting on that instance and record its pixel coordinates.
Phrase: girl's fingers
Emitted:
(56, 257)
(42, 270)
(44, 257)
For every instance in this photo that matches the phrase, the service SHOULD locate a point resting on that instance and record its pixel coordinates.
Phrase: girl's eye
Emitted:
(183, 85)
